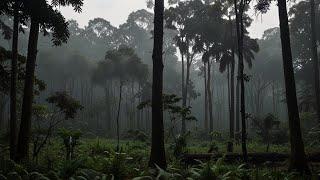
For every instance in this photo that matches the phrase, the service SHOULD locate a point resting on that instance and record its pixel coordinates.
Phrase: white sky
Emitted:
(117, 11)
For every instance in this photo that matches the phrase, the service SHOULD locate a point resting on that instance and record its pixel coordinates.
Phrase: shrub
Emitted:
(179, 146)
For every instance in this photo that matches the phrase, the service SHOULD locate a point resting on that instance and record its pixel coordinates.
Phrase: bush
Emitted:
(179, 146)
(313, 136)
(69, 168)
(117, 166)
(98, 148)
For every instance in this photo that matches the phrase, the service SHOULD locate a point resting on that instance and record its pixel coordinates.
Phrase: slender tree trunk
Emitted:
(273, 99)
(315, 56)
(268, 141)
(132, 109)
(139, 111)
(209, 96)
(25, 126)
(240, 34)
(182, 87)
(157, 156)
(184, 100)
(298, 160)
(229, 94)
(2, 110)
(243, 103)
(118, 117)
(238, 103)
(206, 123)
(232, 99)
(109, 116)
(231, 120)
(13, 88)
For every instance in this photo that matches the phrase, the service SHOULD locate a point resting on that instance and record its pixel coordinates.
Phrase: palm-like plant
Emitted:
(251, 47)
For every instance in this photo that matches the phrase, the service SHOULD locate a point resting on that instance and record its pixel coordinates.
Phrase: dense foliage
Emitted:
(181, 93)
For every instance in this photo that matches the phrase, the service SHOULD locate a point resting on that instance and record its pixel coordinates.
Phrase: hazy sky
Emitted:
(117, 11)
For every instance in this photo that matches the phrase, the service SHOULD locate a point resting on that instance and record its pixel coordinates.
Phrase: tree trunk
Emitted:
(240, 34)
(206, 123)
(184, 100)
(118, 116)
(138, 111)
(232, 98)
(238, 103)
(157, 156)
(243, 103)
(268, 140)
(209, 96)
(13, 88)
(273, 99)
(108, 107)
(315, 57)
(25, 126)
(298, 158)
(229, 94)
(182, 89)
(230, 143)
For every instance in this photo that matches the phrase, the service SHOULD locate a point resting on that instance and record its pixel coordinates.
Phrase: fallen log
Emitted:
(253, 158)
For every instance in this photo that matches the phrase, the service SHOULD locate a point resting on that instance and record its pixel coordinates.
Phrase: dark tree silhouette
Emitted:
(42, 14)
(157, 156)
(209, 92)
(298, 160)
(240, 34)
(12, 7)
(13, 86)
(227, 62)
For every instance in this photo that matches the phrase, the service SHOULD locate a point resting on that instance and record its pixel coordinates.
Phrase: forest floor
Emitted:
(99, 156)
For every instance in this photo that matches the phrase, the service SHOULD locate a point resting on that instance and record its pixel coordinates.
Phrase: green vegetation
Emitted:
(98, 157)
(183, 92)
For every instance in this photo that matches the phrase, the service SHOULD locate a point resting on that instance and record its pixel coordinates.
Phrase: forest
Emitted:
(180, 90)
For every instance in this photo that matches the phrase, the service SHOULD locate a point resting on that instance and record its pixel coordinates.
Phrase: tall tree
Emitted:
(227, 61)
(298, 161)
(13, 86)
(206, 122)
(206, 58)
(245, 51)
(208, 30)
(41, 14)
(157, 156)
(240, 34)
(209, 92)
(12, 7)
(123, 65)
(179, 18)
